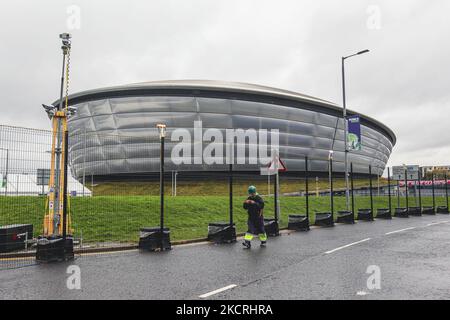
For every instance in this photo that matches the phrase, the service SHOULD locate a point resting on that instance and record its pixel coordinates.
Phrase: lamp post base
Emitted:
(151, 239)
(324, 219)
(365, 215)
(442, 210)
(346, 217)
(428, 211)
(54, 249)
(415, 211)
(298, 222)
(401, 213)
(384, 214)
(271, 227)
(222, 232)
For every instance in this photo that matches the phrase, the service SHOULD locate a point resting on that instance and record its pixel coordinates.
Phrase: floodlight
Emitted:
(330, 154)
(162, 130)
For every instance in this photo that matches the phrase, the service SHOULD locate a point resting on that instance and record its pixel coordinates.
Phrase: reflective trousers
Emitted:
(256, 227)
(249, 236)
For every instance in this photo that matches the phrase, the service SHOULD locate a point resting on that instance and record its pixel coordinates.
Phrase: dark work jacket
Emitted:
(254, 210)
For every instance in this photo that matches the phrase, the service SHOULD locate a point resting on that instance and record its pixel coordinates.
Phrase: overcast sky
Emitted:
(403, 82)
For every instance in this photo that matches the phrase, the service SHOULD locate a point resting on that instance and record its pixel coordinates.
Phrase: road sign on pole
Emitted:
(42, 177)
(412, 172)
(275, 166)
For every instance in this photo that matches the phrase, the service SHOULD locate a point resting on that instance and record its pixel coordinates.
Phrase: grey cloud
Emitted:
(294, 45)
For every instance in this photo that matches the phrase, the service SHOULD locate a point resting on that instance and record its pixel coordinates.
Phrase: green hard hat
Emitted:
(251, 189)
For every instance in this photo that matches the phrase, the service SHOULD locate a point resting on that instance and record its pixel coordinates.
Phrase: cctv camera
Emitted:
(50, 110)
(71, 111)
(65, 36)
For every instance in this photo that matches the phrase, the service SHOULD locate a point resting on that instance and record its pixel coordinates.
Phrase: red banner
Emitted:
(425, 183)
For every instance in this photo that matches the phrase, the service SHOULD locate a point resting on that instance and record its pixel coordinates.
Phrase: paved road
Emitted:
(325, 263)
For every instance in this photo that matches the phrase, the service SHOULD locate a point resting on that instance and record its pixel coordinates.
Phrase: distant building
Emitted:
(429, 169)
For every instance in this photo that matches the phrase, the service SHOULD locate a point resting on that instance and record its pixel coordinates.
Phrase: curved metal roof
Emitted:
(223, 89)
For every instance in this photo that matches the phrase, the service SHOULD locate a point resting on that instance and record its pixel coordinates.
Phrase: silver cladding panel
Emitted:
(121, 137)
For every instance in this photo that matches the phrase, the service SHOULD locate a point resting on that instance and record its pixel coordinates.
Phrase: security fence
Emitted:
(114, 192)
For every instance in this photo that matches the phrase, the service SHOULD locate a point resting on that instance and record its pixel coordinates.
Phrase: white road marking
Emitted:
(401, 230)
(100, 253)
(206, 295)
(436, 223)
(347, 245)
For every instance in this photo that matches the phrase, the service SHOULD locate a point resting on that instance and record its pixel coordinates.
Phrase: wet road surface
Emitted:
(413, 257)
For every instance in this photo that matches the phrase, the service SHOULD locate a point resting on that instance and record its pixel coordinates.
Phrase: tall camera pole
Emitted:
(58, 115)
(56, 243)
(57, 187)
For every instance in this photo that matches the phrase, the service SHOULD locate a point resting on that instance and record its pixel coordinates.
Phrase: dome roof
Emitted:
(224, 88)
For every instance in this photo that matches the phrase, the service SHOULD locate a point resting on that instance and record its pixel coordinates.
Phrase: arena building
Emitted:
(113, 132)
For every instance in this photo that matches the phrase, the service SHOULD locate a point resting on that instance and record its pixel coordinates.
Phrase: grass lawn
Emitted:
(118, 218)
(220, 187)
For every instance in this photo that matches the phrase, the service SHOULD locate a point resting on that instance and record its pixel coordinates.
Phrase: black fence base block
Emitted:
(415, 211)
(384, 214)
(442, 210)
(345, 217)
(298, 222)
(151, 239)
(221, 232)
(324, 219)
(12, 237)
(54, 249)
(401, 213)
(365, 215)
(271, 227)
(428, 211)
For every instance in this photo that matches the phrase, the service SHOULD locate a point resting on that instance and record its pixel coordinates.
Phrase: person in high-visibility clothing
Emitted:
(255, 208)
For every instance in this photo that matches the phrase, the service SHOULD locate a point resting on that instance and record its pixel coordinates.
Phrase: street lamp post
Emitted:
(162, 136)
(84, 161)
(346, 126)
(157, 238)
(330, 179)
